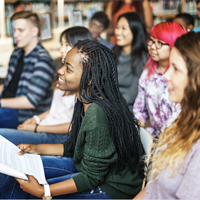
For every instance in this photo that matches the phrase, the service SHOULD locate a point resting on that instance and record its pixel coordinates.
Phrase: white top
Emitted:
(61, 111)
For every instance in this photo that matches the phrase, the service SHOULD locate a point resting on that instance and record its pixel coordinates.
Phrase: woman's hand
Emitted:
(141, 123)
(27, 148)
(31, 186)
(27, 127)
(30, 121)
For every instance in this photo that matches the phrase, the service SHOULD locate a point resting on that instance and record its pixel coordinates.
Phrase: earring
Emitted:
(188, 30)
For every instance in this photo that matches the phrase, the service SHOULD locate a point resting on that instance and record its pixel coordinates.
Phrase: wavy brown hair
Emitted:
(185, 131)
(134, 3)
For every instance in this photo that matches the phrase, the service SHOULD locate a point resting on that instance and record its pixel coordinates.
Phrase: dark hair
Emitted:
(76, 33)
(99, 84)
(186, 17)
(73, 35)
(139, 46)
(102, 18)
(197, 1)
(134, 3)
(32, 17)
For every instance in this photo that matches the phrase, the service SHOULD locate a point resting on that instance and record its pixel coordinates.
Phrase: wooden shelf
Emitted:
(166, 15)
(11, 1)
(65, 17)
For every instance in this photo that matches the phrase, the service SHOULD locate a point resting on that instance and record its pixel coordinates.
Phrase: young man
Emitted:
(99, 22)
(27, 88)
(186, 20)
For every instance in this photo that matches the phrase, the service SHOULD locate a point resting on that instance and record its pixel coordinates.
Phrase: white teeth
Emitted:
(61, 79)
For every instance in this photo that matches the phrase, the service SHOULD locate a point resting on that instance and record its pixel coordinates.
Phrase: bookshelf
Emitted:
(166, 10)
(65, 8)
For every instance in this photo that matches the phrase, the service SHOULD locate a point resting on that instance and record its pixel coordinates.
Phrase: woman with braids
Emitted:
(175, 170)
(116, 8)
(152, 100)
(52, 125)
(102, 157)
(130, 54)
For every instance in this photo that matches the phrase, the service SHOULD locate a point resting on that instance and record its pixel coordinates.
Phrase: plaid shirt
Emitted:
(35, 80)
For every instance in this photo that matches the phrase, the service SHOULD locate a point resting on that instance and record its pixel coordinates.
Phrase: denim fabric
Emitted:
(17, 137)
(56, 169)
(8, 118)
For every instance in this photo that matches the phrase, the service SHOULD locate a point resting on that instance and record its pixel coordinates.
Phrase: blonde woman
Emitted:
(175, 171)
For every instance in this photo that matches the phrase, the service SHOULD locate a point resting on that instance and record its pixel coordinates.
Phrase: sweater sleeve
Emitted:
(42, 77)
(139, 108)
(98, 155)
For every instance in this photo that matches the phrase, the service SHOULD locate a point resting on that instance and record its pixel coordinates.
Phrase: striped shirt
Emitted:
(35, 81)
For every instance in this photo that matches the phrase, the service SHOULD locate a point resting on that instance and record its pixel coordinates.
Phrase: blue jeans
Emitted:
(8, 118)
(56, 169)
(18, 136)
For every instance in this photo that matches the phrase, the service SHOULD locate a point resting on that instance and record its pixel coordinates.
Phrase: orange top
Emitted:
(124, 9)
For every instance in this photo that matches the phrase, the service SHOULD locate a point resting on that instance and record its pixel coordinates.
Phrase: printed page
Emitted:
(28, 163)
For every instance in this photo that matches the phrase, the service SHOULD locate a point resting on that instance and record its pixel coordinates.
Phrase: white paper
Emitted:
(15, 165)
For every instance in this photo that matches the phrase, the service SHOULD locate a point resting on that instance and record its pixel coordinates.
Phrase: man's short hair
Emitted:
(198, 1)
(186, 17)
(32, 17)
(102, 18)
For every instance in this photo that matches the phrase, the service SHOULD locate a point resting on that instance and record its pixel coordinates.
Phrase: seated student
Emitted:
(27, 89)
(152, 100)
(52, 125)
(186, 20)
(130, 54)
(102, 157)
(175, 171)
(99, 22)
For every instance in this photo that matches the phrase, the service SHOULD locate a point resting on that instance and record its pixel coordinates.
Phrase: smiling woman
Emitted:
(152, 101)
(130, 54)
(175, 171)
(102, 159)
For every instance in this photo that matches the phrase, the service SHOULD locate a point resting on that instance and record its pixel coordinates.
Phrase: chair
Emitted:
(147, 141)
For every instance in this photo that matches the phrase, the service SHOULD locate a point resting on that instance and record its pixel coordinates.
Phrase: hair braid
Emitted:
(99, 84)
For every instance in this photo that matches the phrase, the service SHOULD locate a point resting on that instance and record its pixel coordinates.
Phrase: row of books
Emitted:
(165, 6)
(81, 11)
(35, 7)
(173, 6)
(191, 7)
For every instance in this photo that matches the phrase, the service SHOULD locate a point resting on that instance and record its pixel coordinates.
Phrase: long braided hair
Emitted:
(99, 84)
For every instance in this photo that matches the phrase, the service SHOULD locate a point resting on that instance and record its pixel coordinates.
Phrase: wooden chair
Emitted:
(147, 141)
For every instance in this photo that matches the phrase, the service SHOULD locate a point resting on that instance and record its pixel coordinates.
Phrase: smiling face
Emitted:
(65, 47)
(161, 54)
(71, 72)
(176, 76)
(23, 33)
(123, 33)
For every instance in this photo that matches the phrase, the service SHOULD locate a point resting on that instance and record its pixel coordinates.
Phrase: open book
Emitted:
(15, 165)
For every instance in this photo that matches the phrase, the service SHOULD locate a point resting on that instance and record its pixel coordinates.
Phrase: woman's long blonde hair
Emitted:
(185, 131)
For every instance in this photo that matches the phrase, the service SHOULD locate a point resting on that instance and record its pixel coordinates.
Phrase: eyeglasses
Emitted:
(93, 25)
(158, 44)
(198, 9)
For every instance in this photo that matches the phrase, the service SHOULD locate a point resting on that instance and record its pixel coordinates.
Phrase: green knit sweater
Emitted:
(95, 156)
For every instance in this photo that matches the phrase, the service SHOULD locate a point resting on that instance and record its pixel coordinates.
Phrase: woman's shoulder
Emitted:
(96, 115)
(144, 76)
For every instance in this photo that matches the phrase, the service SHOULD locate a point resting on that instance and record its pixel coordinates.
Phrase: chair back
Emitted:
(147, 141)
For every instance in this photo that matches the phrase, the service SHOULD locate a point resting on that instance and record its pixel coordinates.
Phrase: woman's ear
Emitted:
(189, 28)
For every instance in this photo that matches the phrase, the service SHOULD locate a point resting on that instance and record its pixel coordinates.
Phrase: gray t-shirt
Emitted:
(128, 82)
(184, 185)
